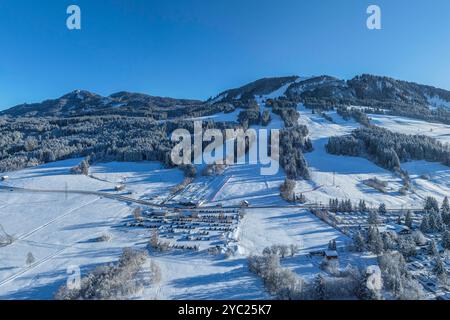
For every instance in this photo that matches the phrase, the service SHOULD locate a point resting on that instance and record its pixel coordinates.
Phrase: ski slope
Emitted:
(438, 131)
(342, 176)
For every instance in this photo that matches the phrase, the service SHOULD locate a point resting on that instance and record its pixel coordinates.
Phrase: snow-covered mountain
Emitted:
(362, 90)
(82, 103)
(215, 224)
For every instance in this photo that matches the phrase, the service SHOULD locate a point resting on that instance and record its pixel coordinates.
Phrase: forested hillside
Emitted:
(389, 149)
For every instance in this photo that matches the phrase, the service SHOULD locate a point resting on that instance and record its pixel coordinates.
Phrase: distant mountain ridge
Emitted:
(81, 103)
(364, 90)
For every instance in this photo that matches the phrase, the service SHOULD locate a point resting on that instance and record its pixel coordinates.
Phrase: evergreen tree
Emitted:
(382, 209)
(359, 242)
(409, 219)
(30, 259)
(301, 198)
(432, 249)
(389, 241)
(440, 271)
(373, 218)
(332, 245)
(375, 240)
(362, 206)
(319, 288)
(445, 211)
(446, 240)
(431, 204)
(425, 225)
(445, 208)
(407, 246)
(436, 222)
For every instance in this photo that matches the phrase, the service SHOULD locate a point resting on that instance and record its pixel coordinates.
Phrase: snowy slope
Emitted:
(342, 177)
(438, 131)
(60, 230)
(437, 102)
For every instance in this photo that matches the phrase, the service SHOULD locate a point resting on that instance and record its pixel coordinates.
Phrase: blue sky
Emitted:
(197, 48)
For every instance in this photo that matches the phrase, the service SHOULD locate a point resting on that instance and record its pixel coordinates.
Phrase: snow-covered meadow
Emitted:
(61, 230)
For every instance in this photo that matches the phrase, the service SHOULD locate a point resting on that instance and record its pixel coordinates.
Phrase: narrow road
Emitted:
(151, 204)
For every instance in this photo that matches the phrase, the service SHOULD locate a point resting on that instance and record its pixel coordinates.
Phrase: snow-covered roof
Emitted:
(331, 254)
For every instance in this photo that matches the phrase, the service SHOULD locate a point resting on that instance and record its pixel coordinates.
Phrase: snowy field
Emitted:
(60, 229)
(342, 177)
(438, 131)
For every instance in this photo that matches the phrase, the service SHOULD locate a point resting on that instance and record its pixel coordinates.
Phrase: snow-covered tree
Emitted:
(382, 209)
(30, 259)
(431, 204)
(407, 246)
(445, 211)
(154, 239)
(425, 224)
(446, 240)
(373, 218)
(364, 290)
(362, 207)
(375, 241)
(137, 214)
(445, 208)
(284, 251)
(359, 241)
(432, 249)
(419, 238)
(84, 167)
(319, 288)
(332, 245)
(30, 144)
(287, 190)
(114, 281)
(390, 240)
(440, 271)
(409, 219)
(397, 278)
(334, 205)
(294, 249)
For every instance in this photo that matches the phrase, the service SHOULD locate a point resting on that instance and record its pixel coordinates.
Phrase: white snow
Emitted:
(219, 117)
(404, 125)
(59, 229)
(436, 102)
(342, 177)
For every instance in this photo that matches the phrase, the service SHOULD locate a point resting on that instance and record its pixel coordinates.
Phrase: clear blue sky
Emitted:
(196, 48)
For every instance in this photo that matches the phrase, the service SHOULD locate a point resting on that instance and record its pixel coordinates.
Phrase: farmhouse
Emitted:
(331, 255)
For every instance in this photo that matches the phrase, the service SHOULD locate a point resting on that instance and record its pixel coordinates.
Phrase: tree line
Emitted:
(388, 149)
